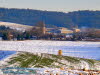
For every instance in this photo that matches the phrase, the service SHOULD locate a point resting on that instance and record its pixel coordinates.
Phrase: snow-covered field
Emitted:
(16, 26)
(77, 49)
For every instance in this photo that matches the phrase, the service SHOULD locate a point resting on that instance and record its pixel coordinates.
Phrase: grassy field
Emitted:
(31, 60)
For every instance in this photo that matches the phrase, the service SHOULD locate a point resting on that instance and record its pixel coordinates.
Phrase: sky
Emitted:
(53, 5)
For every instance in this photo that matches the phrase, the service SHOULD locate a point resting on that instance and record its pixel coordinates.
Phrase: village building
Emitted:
(60, 30)
(76, 30)
(65, 30)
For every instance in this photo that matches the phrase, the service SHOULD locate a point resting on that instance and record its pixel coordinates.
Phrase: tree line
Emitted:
(86, 18)
(9, 34)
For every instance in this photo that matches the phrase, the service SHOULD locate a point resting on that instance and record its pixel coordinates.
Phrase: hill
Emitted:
(15, 26)
(86, 18)
(43, 60)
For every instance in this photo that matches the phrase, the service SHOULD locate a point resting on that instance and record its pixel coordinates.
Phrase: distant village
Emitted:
(41, 32)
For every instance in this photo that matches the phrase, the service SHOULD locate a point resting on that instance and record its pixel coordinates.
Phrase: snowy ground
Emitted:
(77, 49)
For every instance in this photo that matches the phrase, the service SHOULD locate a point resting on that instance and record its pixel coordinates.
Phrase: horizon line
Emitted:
(52, 10)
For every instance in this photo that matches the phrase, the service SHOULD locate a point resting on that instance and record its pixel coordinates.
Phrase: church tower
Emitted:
(42, 27)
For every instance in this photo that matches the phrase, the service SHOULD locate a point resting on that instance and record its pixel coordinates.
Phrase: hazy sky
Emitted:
(53, 5)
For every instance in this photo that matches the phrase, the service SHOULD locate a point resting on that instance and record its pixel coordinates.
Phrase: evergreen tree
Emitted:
(5, 36)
